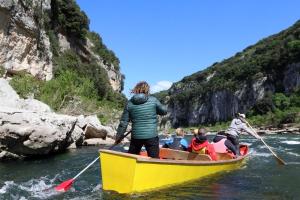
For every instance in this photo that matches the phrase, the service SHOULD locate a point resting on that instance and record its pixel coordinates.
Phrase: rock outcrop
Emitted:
(25, 44)
(29, 128)
(247, 80)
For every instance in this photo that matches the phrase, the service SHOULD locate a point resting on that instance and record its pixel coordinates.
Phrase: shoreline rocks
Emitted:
(290, 130)
(28, 128)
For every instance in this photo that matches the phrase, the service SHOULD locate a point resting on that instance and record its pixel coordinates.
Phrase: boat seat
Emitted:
(224, 156)
(166, 153)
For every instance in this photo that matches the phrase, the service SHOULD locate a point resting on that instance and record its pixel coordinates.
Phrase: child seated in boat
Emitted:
(201, 145)
(222, 144)
(178, 142)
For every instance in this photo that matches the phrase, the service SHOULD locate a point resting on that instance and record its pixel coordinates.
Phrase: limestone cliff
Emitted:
(20, 38)
(25, 43)
(243, 82)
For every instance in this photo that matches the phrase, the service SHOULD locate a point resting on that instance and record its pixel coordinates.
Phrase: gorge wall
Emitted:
(241, 83)
(27, 30)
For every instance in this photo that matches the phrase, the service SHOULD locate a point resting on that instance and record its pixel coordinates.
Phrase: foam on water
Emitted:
(293, 163)
(290, 142)
(7, 185)
(41, 188)
(126, 148)
(255, 153)
(262, 147)
(246, 143)
(97, 188)
(294, 154)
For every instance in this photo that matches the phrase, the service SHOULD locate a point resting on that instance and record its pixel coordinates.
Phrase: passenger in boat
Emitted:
(178, 142)
(201, 145)
(237, 126)
(142, 110)
(222, 144)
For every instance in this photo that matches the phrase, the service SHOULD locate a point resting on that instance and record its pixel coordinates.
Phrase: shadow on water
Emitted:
(260, 178)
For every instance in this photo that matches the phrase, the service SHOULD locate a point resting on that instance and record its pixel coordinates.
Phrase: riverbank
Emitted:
(31, 129)
(284, 129)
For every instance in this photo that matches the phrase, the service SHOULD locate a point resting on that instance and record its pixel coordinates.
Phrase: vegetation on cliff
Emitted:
(99, 48)
(67, 18)
(268, 59)
(80, 85)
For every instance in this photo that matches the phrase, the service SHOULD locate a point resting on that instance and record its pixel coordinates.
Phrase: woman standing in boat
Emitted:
(236, 127)
(142, 110)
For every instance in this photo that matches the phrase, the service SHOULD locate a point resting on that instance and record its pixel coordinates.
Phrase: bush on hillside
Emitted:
(69, 93)
(99, 48)
(281, 101)
(69, 60)
(64, 88)
(66, 16)
(26, 85)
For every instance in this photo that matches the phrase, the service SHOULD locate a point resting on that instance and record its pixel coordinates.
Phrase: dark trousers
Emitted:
(235, 141)
(151, 145)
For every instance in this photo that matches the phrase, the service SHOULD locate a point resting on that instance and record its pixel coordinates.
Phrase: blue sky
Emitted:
(161, 41)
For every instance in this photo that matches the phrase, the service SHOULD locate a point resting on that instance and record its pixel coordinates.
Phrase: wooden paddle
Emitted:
(279, 160)
(66, 185)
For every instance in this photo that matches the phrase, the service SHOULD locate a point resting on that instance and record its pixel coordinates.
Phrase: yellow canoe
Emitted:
(128, 173)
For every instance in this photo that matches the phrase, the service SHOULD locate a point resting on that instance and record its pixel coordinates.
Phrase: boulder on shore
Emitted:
(28, 128)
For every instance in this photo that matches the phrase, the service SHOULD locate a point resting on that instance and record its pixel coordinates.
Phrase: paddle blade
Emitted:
(64, 186)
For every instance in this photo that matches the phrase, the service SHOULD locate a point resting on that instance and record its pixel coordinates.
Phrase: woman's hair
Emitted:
(141, 87)
(179, 132)
(201, 131)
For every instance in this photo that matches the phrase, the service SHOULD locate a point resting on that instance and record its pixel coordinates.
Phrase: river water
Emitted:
(260, 178)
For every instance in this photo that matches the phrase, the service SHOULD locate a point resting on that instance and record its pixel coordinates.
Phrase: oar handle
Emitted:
(267, 145)
(116, 143)
(86, 168)
(274, 154)
(119, 140)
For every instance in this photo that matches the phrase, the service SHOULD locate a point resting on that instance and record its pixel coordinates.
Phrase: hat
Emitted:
(242, 115)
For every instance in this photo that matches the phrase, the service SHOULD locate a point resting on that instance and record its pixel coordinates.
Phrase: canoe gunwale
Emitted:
(144, 159)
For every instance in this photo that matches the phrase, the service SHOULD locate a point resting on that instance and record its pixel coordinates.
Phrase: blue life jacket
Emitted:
(178, 143)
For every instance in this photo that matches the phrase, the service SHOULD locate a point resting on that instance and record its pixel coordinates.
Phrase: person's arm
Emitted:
(249, 131)
(160, 108)
(123, 123)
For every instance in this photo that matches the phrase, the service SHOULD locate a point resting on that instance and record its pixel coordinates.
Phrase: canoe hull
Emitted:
(127, 173)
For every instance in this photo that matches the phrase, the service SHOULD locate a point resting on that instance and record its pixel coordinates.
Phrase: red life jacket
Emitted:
(204, 147)
(220, 146)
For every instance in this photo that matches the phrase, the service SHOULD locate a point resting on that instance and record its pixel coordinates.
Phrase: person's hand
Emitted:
(117, 139)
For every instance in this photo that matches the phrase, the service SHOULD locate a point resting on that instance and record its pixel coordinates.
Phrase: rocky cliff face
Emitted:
(239, 83)
(21, 38)
(25, 46)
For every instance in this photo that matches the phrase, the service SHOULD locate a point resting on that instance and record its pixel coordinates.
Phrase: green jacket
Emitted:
(142, 111)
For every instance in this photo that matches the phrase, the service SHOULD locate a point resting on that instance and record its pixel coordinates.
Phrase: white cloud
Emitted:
(160, 85)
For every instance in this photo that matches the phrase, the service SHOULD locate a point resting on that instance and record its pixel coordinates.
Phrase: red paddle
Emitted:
(66, 185)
